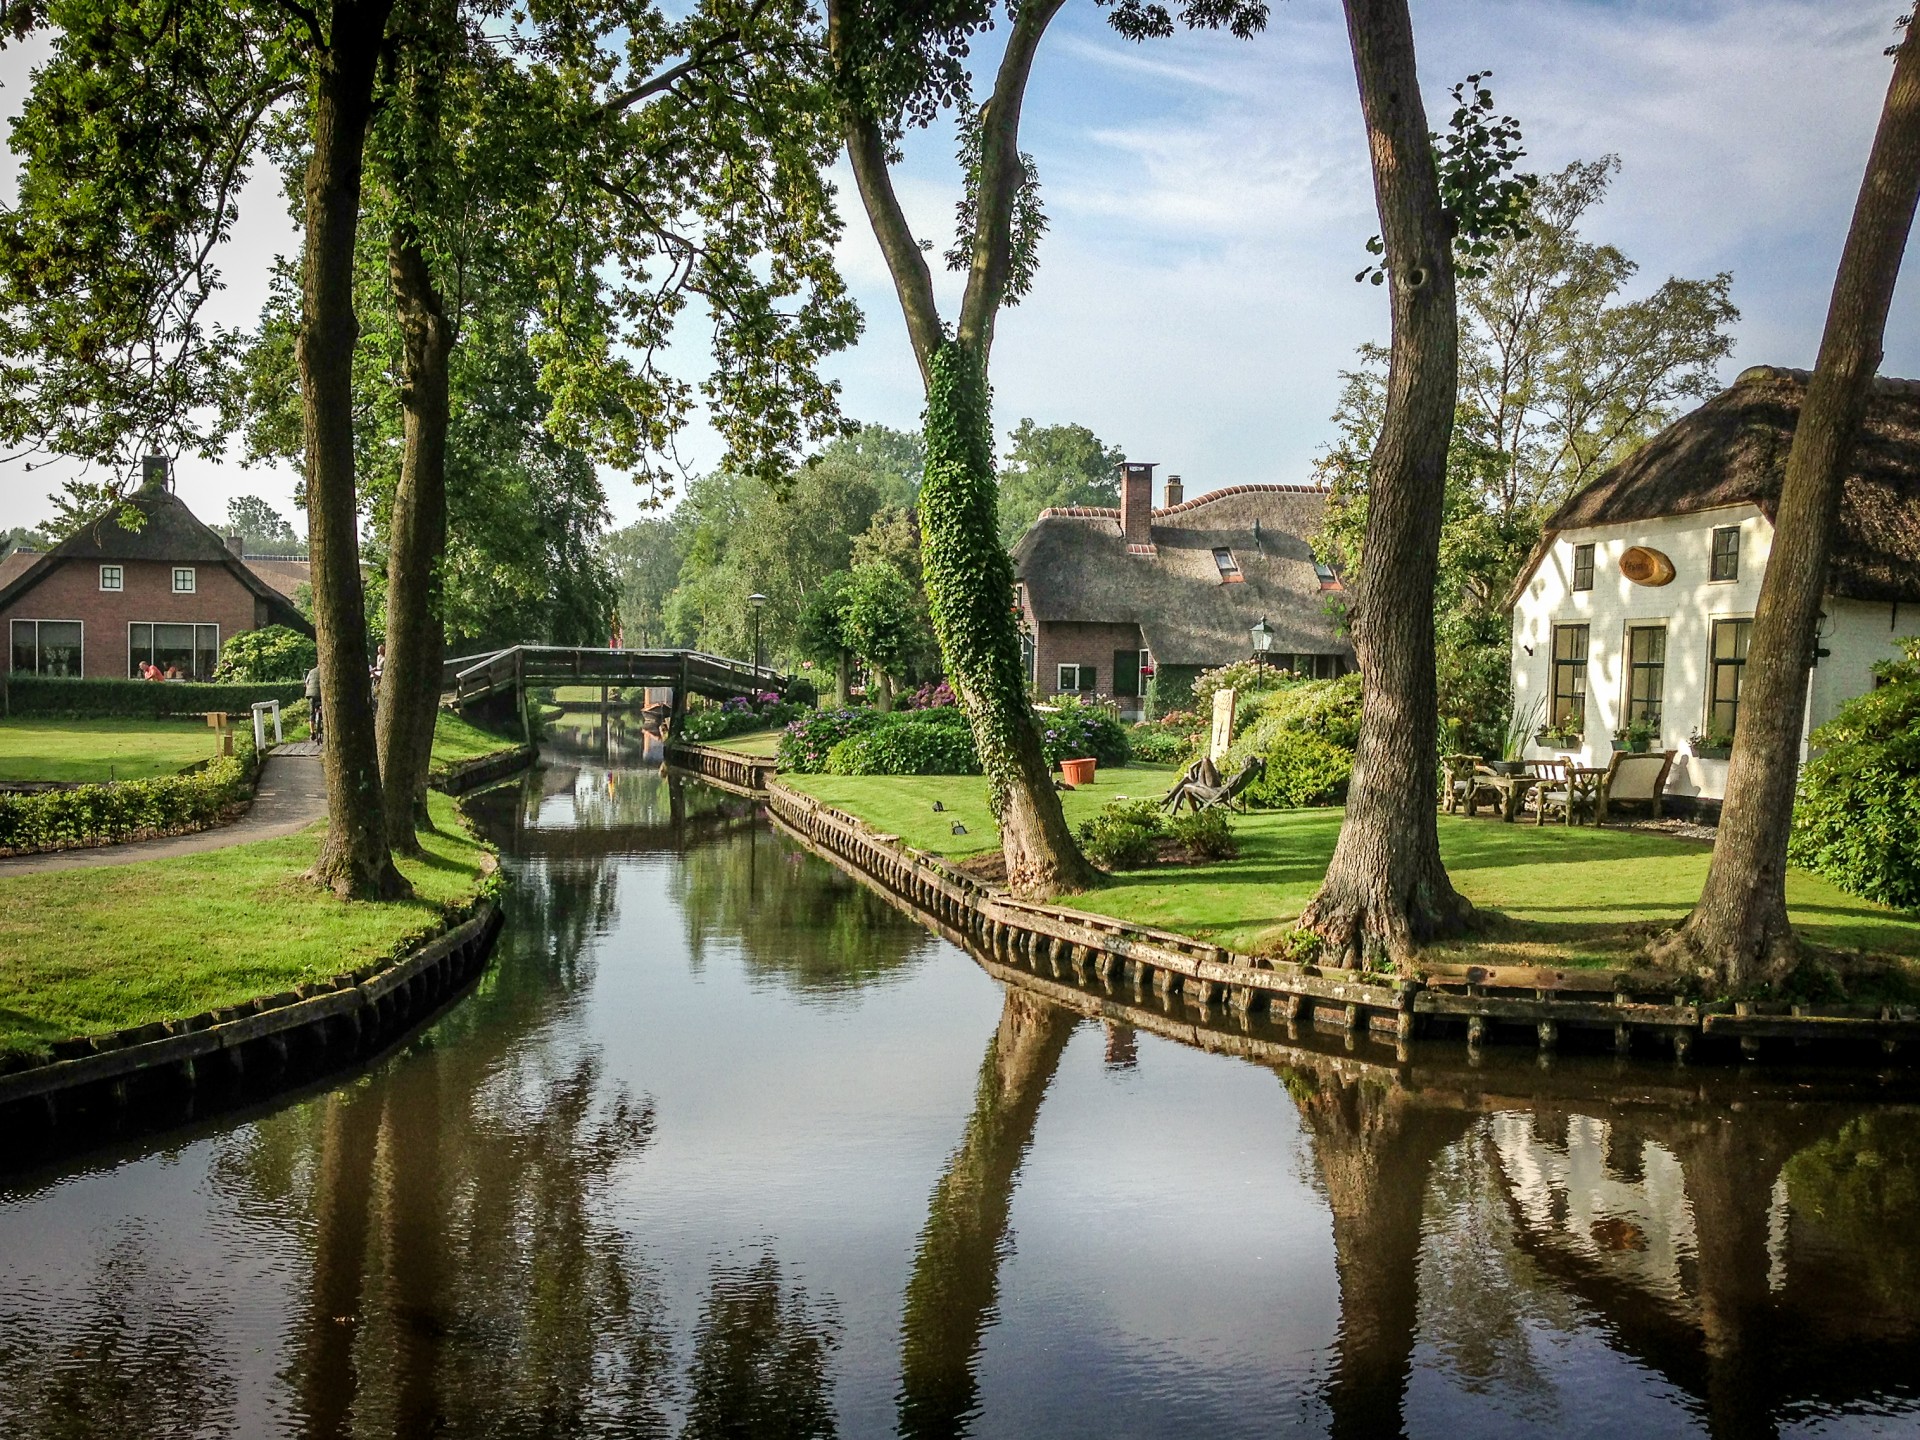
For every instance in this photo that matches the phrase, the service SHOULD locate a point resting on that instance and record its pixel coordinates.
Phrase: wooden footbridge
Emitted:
(472, 679)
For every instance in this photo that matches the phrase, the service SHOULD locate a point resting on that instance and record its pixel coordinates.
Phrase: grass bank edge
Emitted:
(91, 951)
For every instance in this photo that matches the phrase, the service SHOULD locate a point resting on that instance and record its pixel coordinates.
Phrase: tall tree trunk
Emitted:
(883, 683)
(840, 683)
(1738, 934)
(354, 860)
(969, 579)
(1386, 892)
(410, 687)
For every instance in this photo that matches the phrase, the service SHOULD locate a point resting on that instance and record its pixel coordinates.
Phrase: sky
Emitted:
(1209, 203)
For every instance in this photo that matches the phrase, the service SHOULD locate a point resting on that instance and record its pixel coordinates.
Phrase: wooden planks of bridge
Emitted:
(472, 678)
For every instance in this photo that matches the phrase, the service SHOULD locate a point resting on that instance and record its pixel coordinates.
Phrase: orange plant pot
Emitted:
(1077, 772)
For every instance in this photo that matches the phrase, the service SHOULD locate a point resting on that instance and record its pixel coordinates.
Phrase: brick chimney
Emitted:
(1136, 505)
(237, 544)
(154, 473)
(1175, 492)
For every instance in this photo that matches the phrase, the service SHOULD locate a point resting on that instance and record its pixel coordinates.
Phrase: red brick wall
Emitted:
(1081, 643)
(72, 592)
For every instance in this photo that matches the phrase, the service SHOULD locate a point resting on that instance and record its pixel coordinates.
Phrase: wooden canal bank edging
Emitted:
(328, 1022)
(1542, 1007)
(472, 774)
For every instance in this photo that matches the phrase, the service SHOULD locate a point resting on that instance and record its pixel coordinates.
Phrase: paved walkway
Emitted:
(291, 795)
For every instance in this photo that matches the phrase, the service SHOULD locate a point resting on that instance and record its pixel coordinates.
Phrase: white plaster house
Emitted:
(1636, 605)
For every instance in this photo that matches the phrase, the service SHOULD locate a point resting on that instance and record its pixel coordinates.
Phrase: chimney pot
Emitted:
(1136, 504)
(1176, 492)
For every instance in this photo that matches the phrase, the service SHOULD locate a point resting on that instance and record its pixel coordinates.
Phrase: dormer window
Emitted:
(1328, 580)
(1229, 567)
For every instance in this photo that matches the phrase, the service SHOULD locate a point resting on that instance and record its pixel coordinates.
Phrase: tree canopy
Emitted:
(1050, 465)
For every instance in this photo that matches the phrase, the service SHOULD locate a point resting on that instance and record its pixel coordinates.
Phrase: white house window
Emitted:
(1726, 553)
(1646, 673)
(112, 577)
(183, 580)
(1729, 669)
(48, 647)
(1074, 679)
(1570, 676)
(192, 650)
(1583, 567)
(1229, 567)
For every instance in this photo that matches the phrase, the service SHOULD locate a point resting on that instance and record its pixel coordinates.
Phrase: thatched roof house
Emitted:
(1185, 583)
(1733, 451)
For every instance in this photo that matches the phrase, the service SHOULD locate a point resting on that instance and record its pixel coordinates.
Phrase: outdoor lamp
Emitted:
(756, 600)
(1262, 639)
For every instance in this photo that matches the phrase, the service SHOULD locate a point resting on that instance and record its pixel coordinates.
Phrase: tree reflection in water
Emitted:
(759, 1361)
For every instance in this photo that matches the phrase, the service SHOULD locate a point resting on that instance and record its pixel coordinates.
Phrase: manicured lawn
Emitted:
(1568, 897)
(754, 742)
(456, 740)
(84, 750)
(83, 951)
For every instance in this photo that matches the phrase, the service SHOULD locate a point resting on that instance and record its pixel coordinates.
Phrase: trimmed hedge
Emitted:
(43, 695)
(909, 745)
(127, 809)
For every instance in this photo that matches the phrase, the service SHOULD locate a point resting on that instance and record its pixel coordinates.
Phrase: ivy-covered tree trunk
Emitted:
(1738, 935)
(1386, 891)
(969, 579)
(417, 538)
(354, 859)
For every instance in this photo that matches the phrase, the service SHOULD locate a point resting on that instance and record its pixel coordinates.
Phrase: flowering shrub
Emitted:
(934, 695)
(906, 746)
(736, 716)
(1073, 730)
(1247, 677)
(808, 741)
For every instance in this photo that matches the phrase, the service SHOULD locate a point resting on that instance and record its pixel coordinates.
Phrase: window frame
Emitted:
(1715, 556)
(192, 587)
(80, 668)
(1576, 667)
(1738, 664)
(1582, 568)
(1081, 673)
(119, 585)
(1229, 567)
(1642, 708)
(197, 626)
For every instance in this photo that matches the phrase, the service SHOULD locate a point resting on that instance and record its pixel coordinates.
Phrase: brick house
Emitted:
(170, 593)
(1112, 597)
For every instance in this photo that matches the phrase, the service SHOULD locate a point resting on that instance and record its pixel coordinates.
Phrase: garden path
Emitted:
(291, 795)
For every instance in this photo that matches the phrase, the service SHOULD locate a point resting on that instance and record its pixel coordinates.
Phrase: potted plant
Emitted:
(1713, 745)
(1636, 737)
(1513, 748)
(1566, 735)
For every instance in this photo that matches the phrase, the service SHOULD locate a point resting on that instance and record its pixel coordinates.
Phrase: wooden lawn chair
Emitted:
(1459, 771)
(1635, 779)
(1562, 787)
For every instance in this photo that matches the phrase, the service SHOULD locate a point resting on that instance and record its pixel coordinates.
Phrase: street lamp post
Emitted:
(1262, 641)
(756, 600)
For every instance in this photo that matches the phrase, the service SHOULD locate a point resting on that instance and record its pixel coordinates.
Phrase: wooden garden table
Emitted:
(1513, 791)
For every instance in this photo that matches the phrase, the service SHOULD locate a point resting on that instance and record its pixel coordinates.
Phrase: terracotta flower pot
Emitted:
(1077, 772)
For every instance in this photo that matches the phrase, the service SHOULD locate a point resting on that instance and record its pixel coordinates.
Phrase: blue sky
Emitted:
(1209, 203)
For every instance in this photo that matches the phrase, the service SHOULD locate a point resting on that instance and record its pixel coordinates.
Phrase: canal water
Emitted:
(725, 1145)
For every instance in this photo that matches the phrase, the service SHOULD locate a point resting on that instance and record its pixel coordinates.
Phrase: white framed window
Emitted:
(1229, 567)
(183, 580)
(113, 577)
(188, 652)
(1074, 679)
(48, 647)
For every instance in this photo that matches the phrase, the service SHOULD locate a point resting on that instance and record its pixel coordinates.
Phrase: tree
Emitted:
(1738, 936)
(1386, 891)
(893, 66)
(644, 558)
(877, 622)
(25, 537)
(1054, 465)
(259, 524)
(1559, 379)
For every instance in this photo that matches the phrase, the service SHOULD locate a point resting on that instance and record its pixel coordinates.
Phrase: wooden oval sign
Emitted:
(1644, 565)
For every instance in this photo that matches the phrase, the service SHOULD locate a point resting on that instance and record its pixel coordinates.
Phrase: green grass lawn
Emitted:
(457, 740)
(84, 951)
(88, 750)
(1577, 896)
(754, 742)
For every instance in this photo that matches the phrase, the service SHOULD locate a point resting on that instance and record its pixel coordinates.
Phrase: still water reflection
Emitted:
(724, 1145)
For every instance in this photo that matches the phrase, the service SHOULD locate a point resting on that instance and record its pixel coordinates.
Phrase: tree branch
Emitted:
(907, 262)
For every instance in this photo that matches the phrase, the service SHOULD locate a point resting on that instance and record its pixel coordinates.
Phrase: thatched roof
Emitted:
(172, 535)
(1733, 451)
(1075, 564)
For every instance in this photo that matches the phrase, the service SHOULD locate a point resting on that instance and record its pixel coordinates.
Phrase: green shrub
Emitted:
(1124, 835)
(1857, 818)
(1073, 730)
(810, 739)
(1205, 833)
(906, 745)
(1159, 745)
(1245, 677)
(274, 652)
(127, 809)
(1305, 732)
(735, 717)
(1302, 769)
(43, 695)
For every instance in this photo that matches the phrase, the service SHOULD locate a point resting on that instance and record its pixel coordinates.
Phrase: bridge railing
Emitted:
(474, 676)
